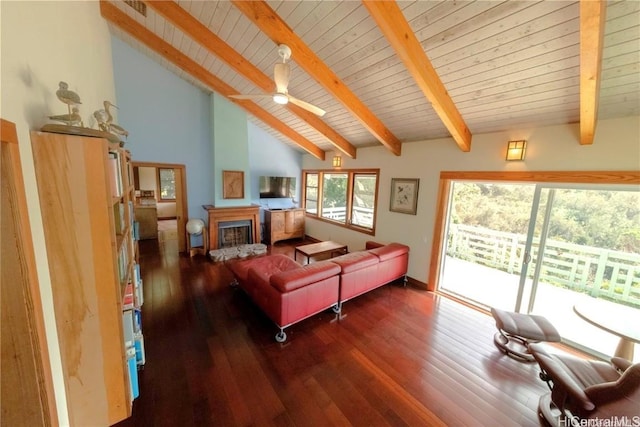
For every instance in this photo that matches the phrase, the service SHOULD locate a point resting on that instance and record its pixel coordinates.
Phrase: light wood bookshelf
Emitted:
(88, 229)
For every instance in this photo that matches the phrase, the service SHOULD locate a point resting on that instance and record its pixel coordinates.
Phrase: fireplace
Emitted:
(231, 226)
(234, 233)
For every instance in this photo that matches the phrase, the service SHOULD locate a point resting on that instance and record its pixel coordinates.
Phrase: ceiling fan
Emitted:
(281, 73)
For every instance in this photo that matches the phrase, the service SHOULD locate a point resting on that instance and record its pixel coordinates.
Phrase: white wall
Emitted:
(42, 43)
(616, 147)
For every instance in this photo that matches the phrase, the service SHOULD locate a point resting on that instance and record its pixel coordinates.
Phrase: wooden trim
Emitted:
(234, 213)
(182, 207)
(26, 372)
(577, 177)
(112, 14)
(351, 178)
(592, 19)
(398, 32)
(277, 30)
(179, 17)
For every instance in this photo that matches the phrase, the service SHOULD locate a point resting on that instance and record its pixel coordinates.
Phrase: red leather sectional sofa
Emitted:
(288, 292)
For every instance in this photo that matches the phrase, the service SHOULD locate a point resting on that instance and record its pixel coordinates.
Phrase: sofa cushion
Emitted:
(289, 280)
(389, 251)
(268, 265)
(355, 261)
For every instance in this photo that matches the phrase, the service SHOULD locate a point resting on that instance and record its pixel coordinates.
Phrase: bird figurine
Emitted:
(71, 119)
(67, 96)
(102, 118)
(113, 128)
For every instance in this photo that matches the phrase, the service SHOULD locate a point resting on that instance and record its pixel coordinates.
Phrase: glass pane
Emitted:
(312, 180)
(487, 226)
(167, 184)
(334, 196)
(311, 193)
(589, 258)
(363, 206)
(312, 206)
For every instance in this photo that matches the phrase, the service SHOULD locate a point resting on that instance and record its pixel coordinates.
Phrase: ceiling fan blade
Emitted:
(309, 107)
(281, 73)
(251, 96)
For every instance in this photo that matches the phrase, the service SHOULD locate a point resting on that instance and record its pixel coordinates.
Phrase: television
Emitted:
(275, 187)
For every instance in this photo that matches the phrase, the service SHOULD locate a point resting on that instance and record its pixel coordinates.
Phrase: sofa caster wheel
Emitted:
(281, 336)
(337, 309)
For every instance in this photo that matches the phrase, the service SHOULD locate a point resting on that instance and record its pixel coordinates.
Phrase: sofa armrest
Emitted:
(287, 281)
(372, 245)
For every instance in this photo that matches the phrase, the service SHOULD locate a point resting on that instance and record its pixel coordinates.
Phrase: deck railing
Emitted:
(602, 273)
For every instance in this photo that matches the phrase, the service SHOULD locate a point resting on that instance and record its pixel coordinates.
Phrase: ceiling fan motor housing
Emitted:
(284, 51)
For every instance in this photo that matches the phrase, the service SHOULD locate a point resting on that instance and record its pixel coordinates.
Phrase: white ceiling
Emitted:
(505, 64)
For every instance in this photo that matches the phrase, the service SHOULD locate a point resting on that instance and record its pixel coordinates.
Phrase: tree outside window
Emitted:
(345, 197)
(166, 184)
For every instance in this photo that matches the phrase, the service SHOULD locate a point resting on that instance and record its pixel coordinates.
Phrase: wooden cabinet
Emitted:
(283, 224)
(147, 217)
(86, 197)
(26, 383)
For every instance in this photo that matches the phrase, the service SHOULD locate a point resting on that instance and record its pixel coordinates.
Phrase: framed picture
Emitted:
(232, 184)
(404, 195)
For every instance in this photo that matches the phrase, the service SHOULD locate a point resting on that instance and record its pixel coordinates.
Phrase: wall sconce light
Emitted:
(337, 161)
(516, 150)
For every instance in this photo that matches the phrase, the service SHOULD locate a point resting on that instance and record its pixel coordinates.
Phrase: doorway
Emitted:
(542, 247)
(161, 202)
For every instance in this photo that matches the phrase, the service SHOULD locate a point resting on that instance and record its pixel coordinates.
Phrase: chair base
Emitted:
(552, 416)
(513, 345)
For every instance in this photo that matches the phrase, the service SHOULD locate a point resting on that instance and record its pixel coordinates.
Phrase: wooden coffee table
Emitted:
(320, 248)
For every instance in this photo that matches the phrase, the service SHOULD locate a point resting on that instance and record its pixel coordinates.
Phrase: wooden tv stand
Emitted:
(283, 224)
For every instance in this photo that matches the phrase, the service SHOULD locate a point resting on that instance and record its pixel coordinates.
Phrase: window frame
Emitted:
(351, 174)
(159, 183)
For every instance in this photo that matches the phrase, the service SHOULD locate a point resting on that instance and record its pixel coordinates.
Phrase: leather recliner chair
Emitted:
(583, 389)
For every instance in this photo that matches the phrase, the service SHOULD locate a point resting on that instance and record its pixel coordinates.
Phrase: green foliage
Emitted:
(334, 190)
(599, 218)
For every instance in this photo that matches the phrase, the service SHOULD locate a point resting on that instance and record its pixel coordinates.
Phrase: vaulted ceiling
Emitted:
(393, 72)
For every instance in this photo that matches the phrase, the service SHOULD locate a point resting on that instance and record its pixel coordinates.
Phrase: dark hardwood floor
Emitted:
(397, 356)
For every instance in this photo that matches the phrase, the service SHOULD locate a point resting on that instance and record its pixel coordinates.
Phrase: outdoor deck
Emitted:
(495, 288)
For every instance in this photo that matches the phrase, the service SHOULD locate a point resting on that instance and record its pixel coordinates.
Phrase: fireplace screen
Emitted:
(234, 233)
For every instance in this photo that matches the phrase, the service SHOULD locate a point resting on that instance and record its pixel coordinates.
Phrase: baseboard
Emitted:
(414, 283)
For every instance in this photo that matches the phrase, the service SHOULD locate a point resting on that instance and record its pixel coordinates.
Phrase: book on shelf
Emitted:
(128, 297)
(139, 347)
(115, 172)
(132, 368)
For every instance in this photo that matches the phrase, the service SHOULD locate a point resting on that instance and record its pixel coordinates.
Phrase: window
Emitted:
(166, 184)
(311, 193)
(345, 197)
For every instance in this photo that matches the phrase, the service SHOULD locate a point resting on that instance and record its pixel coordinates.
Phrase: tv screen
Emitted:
(273, 187)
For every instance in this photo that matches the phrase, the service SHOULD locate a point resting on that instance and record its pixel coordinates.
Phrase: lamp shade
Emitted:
(195, 226)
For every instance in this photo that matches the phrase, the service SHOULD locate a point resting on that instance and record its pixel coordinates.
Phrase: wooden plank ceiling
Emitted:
(400, 72)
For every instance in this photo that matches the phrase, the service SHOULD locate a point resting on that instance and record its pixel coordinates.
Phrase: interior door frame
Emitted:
(541, 177)
(182, 210)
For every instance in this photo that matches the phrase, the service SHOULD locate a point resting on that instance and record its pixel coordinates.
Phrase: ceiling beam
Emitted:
(118, 18)
(592, 17)
(277, 30)
(179, 17)
(398, 32)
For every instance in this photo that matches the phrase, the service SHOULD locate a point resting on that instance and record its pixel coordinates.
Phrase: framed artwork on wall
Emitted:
(232, 184)
(404, 195)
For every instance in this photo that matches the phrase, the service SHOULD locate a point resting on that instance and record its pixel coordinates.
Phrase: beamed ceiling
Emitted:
(393, 72)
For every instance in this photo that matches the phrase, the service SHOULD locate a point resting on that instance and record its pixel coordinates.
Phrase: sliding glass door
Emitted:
(539, 248)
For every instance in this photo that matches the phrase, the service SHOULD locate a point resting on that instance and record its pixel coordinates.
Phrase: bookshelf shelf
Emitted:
(92, 260)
